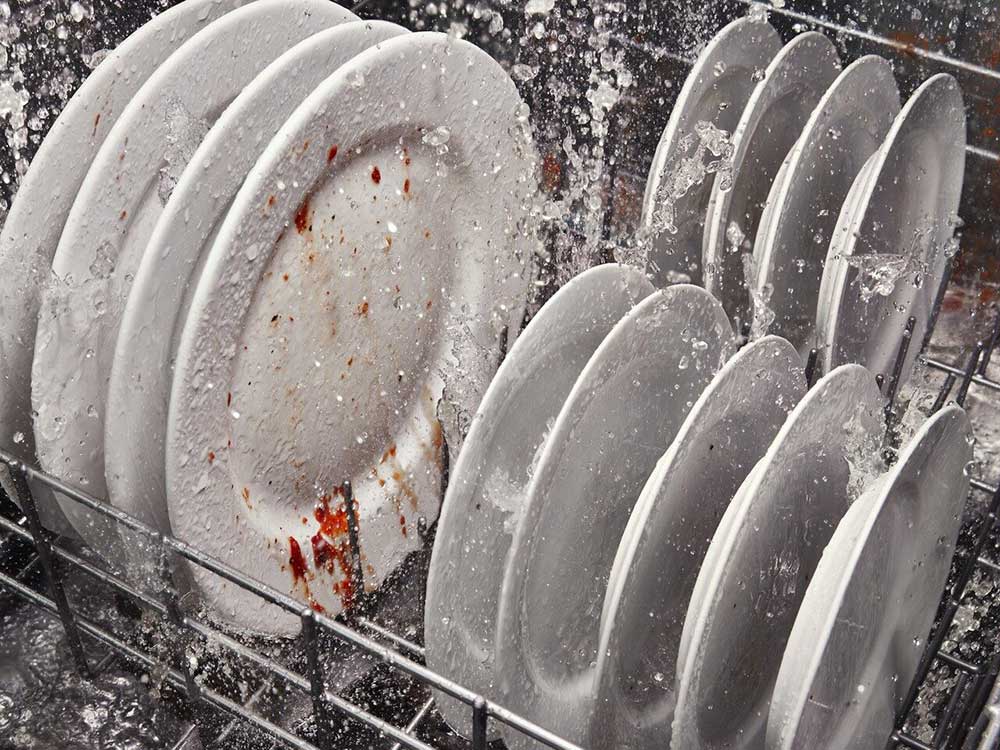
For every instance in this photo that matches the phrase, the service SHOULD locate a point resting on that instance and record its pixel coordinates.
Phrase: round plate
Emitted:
(763, 555)
(622, 414)
(715, 92)
(483, 505)
(139, 389)
(380, 236)
(31, 231)
(906, 213)
(868, 611)
(728, 430)
(774, 117)
(113, 218)
(846, 127)
(840, 240)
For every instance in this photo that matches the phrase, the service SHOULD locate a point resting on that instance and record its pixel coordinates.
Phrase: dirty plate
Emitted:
(899, 238)
(846, 127)
(32, 228)
(381, 236)
(695, 142)
(112, 219)
(762, 556)
(728, 430)
(618, 420)
(139, 390)
(869, 609)
(774, 117)
(486, 488)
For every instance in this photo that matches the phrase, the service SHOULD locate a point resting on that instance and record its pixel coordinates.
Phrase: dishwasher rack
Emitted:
(970, 719)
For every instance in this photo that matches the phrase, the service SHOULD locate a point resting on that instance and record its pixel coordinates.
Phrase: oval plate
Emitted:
(381, 235)
(619, 419)
(774, 117)
(141, 371)
(113, 217)
(847, 126)
(482, 507)
(906, 212)
(715, 92)
(869, 609)
(762, 556)
(728, 430)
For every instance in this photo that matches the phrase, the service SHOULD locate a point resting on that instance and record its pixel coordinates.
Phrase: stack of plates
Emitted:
(287, 249)
(641, 520)
(273, 232)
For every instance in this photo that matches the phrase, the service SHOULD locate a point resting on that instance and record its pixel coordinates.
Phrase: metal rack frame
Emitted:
(971, 717)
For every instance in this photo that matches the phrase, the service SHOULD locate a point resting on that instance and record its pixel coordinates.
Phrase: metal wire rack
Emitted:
(970, 718)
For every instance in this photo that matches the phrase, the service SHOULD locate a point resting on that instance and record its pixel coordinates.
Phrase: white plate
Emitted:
(773, 118)
(846, 127)
(715, 92)
(114, 215)
(906, 211)
(139, 388)
(728, 430)
(31, 231)
(866, 615)
(853, 203)
(381, 234)
(762, 556)
(622, 414)
(486, 487)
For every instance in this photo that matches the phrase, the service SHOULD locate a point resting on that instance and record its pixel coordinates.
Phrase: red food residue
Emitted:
(97, 121)
(302, 222)
(406, 186)
(211, 456)
(297, 561)
(376, 175)
(363, 309)
(331, 154)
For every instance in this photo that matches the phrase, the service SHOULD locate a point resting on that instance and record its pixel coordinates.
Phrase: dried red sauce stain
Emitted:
(97, 121)
(302, 222)
(376, 175)
(297, 562)
(270, 200)
(406, 186)
(124, 215)
(211, 456)
(284, 277)
(331, 154)
(229, 398)
(331, 546)
(402, 525)
(363, 309)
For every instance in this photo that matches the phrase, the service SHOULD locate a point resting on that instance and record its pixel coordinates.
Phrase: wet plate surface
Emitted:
(603, 446)
(151, 324)
(763, 554)
(483, 506)
(869, 608)
(727, 431)
(372, 247)
(114, 215)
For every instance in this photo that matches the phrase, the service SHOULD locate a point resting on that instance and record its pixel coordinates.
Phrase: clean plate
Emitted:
(704, 117)
(728, 430)
(620, 417)
(762, 556)
(864, 622)
(486, 487)
(774, 117)
(895, 245)
(846, 127)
